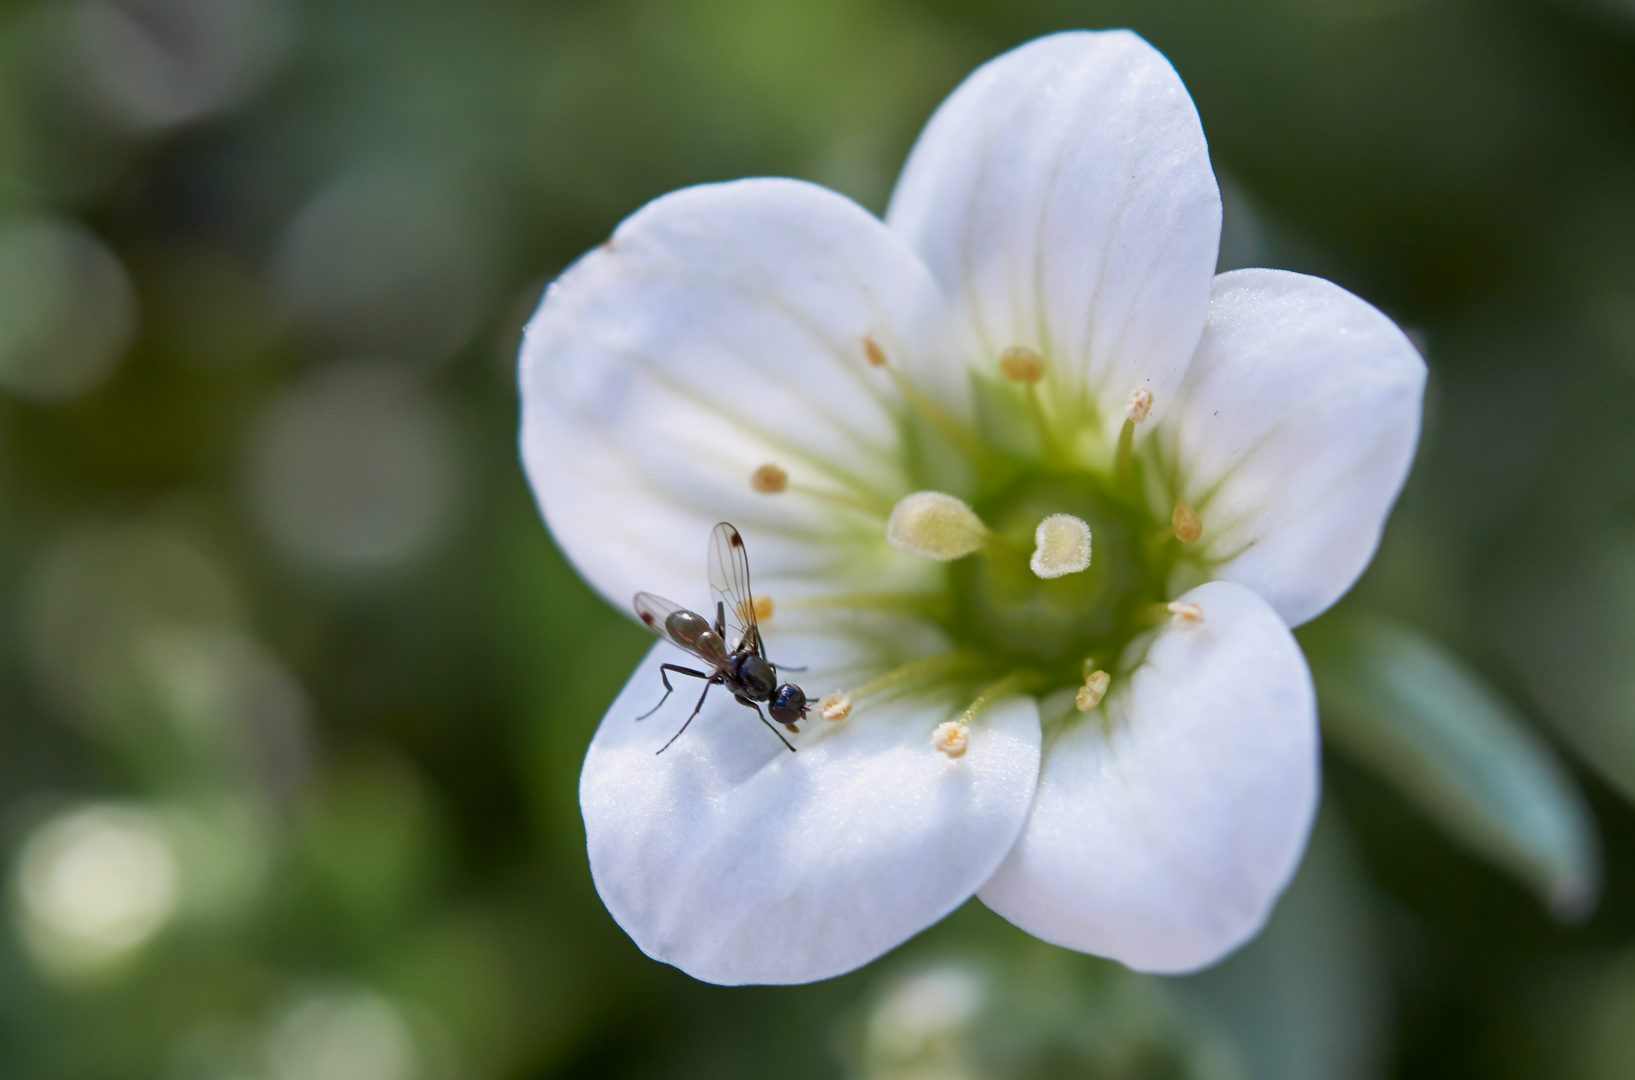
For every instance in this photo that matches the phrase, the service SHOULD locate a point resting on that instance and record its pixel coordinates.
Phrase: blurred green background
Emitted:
(294, 687)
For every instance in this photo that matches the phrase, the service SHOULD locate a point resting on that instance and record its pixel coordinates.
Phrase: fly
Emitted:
(741, 666)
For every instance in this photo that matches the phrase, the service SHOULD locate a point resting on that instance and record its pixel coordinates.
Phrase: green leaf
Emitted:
(1402, 705)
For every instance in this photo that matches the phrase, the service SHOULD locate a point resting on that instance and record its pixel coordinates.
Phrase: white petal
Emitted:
(721, 329)
(1293, 434)
(740, 862)
(1168, 821)
(1063, 195)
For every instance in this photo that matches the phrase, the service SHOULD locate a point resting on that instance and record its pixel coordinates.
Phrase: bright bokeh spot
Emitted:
(66, 309)
(94, 884)
(353, 469)
(348, 1034)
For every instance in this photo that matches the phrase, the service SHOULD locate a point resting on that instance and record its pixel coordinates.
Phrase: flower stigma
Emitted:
(1061, 547)
(935, 526)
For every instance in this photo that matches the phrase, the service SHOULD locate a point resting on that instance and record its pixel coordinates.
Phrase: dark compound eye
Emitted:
(788, 704)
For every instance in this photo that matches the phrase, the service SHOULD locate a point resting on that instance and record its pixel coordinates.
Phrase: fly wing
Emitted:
(655, 611)
(729, 585)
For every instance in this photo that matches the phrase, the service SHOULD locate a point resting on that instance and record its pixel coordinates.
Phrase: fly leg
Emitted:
(668, 689)
(712, 681)
(768, 724)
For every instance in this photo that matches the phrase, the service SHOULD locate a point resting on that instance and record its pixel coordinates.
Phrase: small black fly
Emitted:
(742, 666)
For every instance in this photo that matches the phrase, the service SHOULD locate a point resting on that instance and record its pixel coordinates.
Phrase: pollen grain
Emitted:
(1187, 524)
(1021, 364)
(1139, 406)
(769, 479)
(835, 707)
(1188, 615)
(952, 738)
(1093, 690)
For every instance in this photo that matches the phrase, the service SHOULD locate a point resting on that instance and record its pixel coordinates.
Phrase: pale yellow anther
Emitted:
(873, 352)
(835, 707)
(1139, 406)
(1187, 614)
(935, 526)
(1021, 364)
(1061, 546)
(763, 608)
(952, 738)
(769, 479)
(1186, 522)
(1093, 690)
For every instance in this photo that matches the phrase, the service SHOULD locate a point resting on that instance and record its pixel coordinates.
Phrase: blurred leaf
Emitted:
(1400, 704)
(1568, 624)
(1308, 997)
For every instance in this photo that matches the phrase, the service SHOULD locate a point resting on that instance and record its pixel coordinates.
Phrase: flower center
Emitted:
(1002, 606)
(1055, 566)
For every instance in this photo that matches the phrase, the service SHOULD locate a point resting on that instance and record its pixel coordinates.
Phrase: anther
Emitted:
(769, 479)
(1021, 364)
(835, 707)
(952, 738)
(1061, 546)
(873, 352)
(763, 608)
(935, 526)
(1093, 690)
(1139, 406)
(1187, 614)
(1186, 522)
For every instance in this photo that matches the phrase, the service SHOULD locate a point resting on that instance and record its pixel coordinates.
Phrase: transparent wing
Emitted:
(729, 585)
(655, 613)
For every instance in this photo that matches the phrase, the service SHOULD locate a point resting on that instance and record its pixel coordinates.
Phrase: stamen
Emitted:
(952, 663)
(952, 738)
(1188, 615)
(1062, 546)
(935, 526)
(934, 605)
(957, 434)
(763, 608)
(835, 707)
(1021, 364)
(1139, 406)
(769, 479)
(1093, 690)
(1017, 682)
(1187, 524)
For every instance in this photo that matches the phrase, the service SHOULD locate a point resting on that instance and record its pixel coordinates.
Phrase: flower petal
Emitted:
(1293, 434)
(1063, 195)
(719, 330)
(1167, 822)
(740, 862)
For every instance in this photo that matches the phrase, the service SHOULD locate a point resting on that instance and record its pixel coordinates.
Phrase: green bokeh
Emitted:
(272, 583)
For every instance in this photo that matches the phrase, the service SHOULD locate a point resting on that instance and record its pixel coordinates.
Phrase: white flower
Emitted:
(1035, 330)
